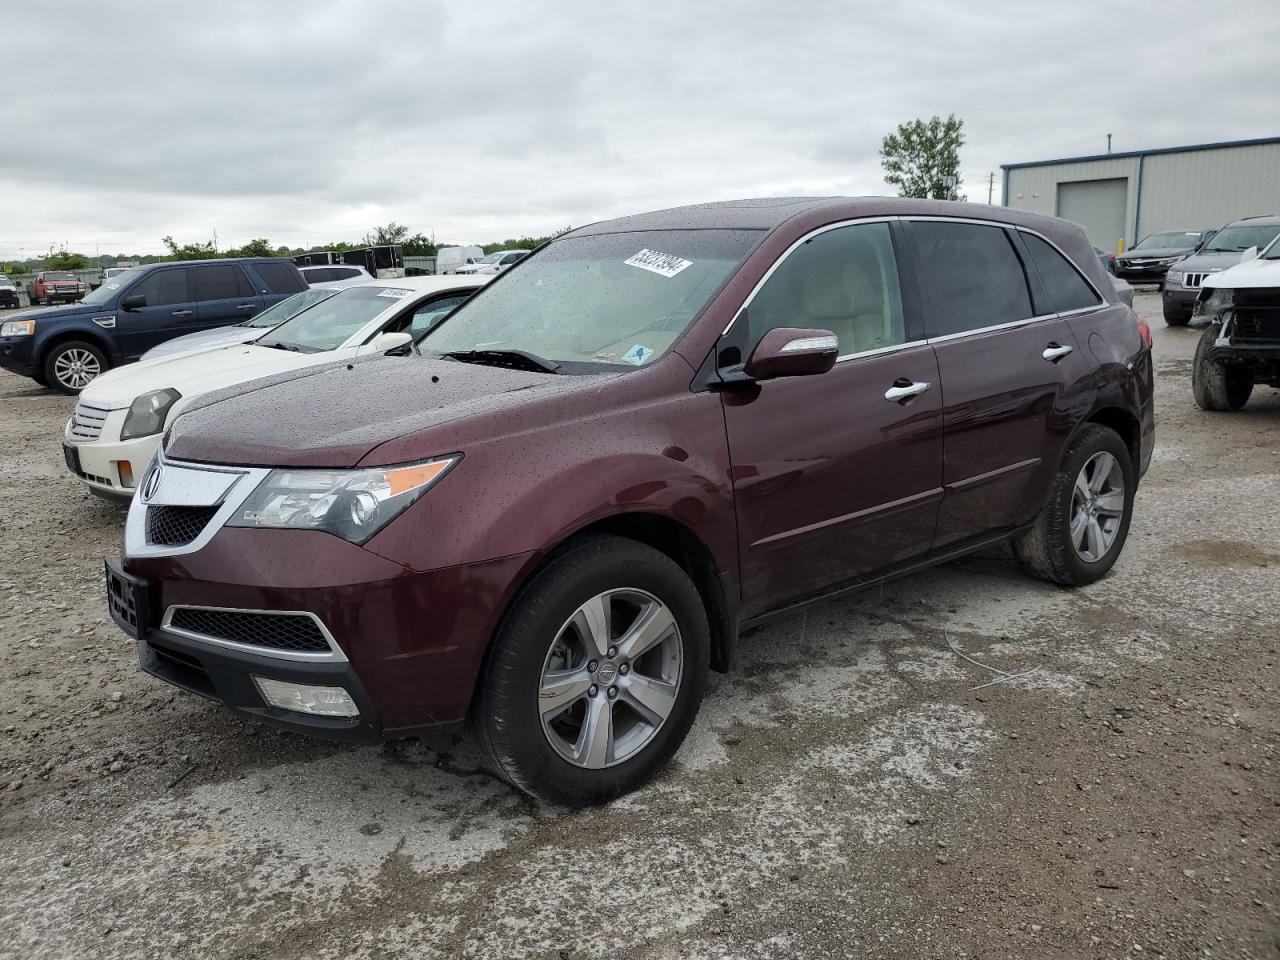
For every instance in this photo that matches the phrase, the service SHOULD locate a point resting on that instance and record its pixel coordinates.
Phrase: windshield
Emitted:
(1172, 240)
(111, 287)
(493, 257)
(1239, 239)
(58, 276)
(289, 308)
(617, 299)
(328, 324)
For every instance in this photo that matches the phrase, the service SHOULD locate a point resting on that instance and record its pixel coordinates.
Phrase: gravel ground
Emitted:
(853, 789)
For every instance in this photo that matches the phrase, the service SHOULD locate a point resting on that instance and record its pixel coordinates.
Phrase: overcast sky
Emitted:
(312, 122)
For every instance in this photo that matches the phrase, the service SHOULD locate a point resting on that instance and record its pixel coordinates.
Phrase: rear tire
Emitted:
(1079, 534)
(1175, 317)
(70, 366)
(544, 741)
(1218, 386)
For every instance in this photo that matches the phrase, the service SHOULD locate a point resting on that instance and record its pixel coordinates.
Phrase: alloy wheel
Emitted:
(1097, 507)
(75, 368)
(611, 678)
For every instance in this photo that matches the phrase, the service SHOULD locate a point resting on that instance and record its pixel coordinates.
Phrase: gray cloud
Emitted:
(309, 123)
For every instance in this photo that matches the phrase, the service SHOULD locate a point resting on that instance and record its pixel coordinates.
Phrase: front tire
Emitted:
(596, 673)
(70, 366)
(1218, 386)
(1080, 532)
(1175, 317)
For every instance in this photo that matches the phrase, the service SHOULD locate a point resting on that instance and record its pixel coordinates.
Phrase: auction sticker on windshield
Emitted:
(663, 264)
(395, 293)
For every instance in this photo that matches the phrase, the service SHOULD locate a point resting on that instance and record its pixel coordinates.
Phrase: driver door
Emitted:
(832, 479)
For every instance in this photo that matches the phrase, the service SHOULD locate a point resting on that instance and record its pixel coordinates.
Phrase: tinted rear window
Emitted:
(223, 281)
(281, 277)
(1066, 289)
(971, 275)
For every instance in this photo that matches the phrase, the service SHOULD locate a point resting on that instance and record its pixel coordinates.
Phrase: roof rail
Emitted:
(1259, 216)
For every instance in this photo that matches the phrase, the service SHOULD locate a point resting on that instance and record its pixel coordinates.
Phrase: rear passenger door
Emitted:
(224, 295)
(840, 474)
(1004, 362)
(170, 311)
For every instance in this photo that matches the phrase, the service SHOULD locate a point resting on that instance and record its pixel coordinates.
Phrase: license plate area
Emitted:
(128, 600)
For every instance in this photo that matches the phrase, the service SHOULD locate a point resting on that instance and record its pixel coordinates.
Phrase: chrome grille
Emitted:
(286, 632)
(169, 526)
(86, 423)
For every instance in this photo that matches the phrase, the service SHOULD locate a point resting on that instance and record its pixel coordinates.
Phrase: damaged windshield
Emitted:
(616, 299)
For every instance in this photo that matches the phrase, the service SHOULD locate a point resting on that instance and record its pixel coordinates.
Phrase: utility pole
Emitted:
(1108, 143)
(991, 186)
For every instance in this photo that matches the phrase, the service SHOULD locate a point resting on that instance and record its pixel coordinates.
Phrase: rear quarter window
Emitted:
(281, 277)
(1065, 288)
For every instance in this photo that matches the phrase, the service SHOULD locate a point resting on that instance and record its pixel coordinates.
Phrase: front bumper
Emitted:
(1176, 295)
(110, 466)
(413, 641)
(16, 355)
(1143, 274)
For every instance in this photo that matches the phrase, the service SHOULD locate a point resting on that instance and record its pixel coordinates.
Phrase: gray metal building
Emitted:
(1129, 195)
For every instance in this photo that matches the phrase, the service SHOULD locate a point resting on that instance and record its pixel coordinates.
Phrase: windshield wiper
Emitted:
(278, 345)
(514, 359)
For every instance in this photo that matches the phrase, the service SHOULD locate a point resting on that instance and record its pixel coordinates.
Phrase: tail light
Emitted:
(1144, 331)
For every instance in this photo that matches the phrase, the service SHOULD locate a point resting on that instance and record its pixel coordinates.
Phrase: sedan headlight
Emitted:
(17, 328)
(148, 412)
(351, 504)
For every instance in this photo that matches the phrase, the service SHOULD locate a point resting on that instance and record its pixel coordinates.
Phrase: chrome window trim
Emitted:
(335, 654)
(994, 327)
(135, 526)
(891, 348)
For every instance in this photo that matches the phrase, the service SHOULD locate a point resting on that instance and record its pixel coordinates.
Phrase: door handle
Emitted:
(903, 390)
(245, 306)
(183, 313)
(1055, 351)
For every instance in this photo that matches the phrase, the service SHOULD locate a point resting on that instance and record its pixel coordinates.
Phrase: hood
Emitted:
(1244, 276)
(335, 415)
(1130, 255)
(194, 374)
(205, 340)
(54, 313)
(1205, 261)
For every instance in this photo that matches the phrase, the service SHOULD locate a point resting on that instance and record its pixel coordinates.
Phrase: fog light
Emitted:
(303, 698)
(126, 472)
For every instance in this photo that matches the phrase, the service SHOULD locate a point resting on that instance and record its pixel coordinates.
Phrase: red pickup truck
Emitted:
(56, 286)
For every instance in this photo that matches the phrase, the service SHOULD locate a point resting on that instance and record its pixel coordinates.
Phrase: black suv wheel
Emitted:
(1175, 316)
(1215, 385)
(596, 674)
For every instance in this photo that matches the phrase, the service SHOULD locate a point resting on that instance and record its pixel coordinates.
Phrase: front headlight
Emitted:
(147, 413)
(1174, 275)
(17, 328)
(1212, 301)
(351, 504)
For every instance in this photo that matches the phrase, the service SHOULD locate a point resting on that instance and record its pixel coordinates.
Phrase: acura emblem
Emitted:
(151, 484)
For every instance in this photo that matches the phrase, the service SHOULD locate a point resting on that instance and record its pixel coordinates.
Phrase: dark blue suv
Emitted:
(66, 347)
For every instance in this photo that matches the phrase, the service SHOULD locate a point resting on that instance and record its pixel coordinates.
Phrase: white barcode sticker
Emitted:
(395, 293)
(663, 264)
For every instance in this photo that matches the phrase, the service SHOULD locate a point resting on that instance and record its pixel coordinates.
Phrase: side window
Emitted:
(844, 280)
(429, 314)
(971, 274)
(318, 275)
(281, 276)
(164, 287)
(217, 282)
(1067, 290)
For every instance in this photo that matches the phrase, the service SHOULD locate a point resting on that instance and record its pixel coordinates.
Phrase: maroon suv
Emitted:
(554, 515)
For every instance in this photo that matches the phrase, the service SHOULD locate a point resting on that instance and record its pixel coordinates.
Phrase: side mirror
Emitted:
(792, 352)
(134, 301)
(1250, 254)
(389, 341)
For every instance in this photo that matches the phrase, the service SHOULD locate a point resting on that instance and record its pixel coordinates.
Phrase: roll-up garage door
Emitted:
(1098, 206)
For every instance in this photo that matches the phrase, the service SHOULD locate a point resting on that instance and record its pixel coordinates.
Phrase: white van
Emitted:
(449, 259)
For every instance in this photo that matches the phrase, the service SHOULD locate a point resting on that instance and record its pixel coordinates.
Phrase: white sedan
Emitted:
(121, 416)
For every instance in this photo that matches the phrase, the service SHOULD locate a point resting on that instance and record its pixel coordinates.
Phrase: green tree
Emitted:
(62, 260)
(188, 251)
(419, 245)
(259, 247)
(383, 236)
(920, 155)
